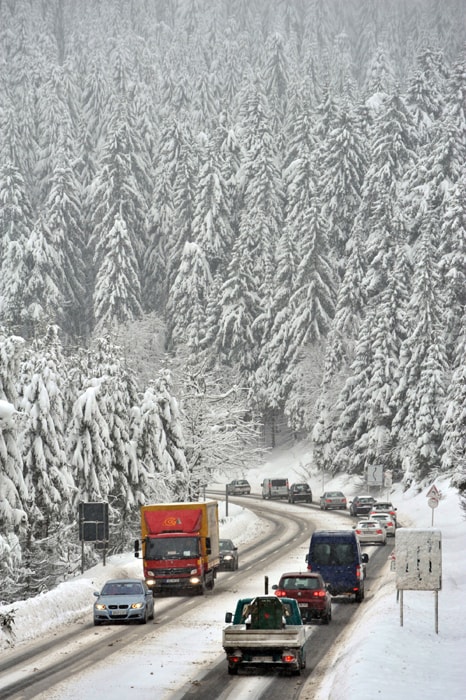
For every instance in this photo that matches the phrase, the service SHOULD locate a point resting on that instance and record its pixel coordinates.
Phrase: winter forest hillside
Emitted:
(221, 220)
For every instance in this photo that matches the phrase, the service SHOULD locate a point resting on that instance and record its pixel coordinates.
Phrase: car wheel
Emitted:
(325, 619)
(360, 596)
(97, 623)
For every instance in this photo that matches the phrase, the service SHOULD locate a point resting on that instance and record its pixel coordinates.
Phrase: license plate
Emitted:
(115, 613)
(172, 580)
(303, 606)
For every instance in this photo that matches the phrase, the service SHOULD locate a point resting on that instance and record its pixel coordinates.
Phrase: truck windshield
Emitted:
(172, 548)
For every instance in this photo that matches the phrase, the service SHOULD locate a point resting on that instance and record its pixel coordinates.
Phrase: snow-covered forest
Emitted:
(220, 219)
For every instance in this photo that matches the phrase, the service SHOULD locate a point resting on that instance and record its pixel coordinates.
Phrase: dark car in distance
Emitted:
(309, 590)
(229, 560)
(361, 505)
(300, 492)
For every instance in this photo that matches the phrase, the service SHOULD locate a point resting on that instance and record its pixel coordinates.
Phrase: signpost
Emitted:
(433, 498)
(418, 564)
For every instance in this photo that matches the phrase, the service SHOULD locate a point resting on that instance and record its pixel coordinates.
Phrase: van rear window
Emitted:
(279, 482)
(330, 554)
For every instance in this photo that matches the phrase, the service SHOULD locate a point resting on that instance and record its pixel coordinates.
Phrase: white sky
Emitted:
(375, 657)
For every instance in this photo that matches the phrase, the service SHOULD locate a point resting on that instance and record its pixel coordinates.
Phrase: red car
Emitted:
(309, 589)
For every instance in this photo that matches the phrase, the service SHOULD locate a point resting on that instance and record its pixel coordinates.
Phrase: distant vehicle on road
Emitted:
(337, 556)
(361, 505)
(300, 492)
(386, 507)
(386, 520)
(239, 487)
(333, 499)
(229, 559)
(371, 532)
(275, 488)
(124, 600)
(310, 591)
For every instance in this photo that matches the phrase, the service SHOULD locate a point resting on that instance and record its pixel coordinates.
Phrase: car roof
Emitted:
(304, 574)
(223, 539)
(124, 580)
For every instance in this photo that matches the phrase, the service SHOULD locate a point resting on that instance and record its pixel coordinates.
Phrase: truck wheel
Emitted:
(360, 596)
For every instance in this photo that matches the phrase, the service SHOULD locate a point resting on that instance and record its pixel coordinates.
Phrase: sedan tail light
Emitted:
(319, 594)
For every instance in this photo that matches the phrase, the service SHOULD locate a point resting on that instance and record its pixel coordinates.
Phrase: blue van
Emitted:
(337, 556)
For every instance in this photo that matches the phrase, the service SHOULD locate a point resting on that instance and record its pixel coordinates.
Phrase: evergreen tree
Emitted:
(48, 480)
(172, 438)
(418, 401)
(211, 224)
(117, 293)
(188, 299)
(16, 218)
(42, 295)
(13, 499)
(452, 262)
(344, 163)
(454, 420)
(89, 445)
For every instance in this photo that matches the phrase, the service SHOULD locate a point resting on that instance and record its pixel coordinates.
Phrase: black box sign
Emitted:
(93, 522)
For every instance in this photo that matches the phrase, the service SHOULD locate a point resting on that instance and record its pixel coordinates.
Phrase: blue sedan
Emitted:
(124, 600)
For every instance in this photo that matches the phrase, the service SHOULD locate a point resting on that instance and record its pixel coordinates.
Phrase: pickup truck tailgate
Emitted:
(238, 636)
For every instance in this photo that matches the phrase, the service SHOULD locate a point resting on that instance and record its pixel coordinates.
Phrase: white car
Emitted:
(371, 532)
(386, 520)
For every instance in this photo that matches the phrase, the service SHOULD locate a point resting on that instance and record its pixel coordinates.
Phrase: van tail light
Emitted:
(358, 571)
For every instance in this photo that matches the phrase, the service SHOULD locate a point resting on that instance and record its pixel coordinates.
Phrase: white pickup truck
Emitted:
(266, 632)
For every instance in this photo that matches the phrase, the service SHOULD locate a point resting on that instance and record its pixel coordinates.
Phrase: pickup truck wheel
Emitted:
(233, 670)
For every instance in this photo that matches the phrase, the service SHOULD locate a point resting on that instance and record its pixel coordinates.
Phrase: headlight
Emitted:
(137, 606)
(228, 557)
(194, 580)
(100, 606)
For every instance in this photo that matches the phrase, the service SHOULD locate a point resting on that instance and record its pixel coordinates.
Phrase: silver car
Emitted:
(124, 600)
(332, 499)
(371, 532)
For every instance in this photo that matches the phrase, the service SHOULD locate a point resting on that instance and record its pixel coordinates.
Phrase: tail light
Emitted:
(288, 658)
(379, 532)
(358, 532)
(318, 594)
(280, 594)
(358, 571)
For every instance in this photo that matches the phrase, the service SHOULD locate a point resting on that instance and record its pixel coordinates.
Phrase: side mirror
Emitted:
(306, 558)
(274, 587)
(96, 593)
(228, 618)
(364, 558)
(136, 549)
